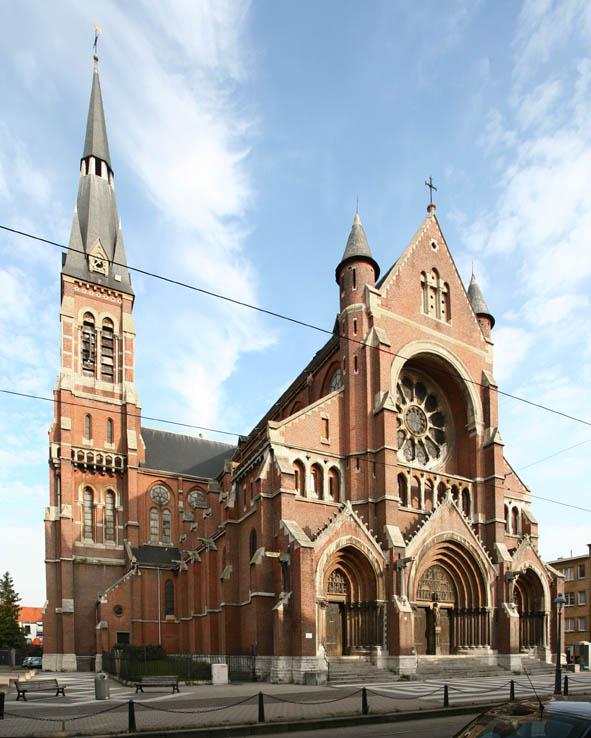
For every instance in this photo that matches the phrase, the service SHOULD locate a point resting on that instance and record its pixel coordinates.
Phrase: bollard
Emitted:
(512, 691)
(364, 703)
(1, 705)
(565, 690)
(445, 696)
(131, 727)
(261, 707)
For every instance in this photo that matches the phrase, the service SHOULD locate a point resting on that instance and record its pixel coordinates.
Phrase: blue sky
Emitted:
(241, 135)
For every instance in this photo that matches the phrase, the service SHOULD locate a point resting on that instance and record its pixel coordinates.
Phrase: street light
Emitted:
(560, 601)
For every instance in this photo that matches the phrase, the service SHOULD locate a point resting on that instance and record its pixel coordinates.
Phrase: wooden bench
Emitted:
(157, 681)
(41, 685)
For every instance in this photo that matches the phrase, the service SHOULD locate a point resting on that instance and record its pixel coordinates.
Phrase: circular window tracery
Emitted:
(423, 421)
(160, 495)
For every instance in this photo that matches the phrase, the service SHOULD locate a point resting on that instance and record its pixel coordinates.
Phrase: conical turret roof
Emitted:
(357, 248)
(477, 300)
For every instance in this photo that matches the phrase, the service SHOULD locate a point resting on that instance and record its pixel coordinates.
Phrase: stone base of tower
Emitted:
(59, 662)
(509, 661)
(299, 670)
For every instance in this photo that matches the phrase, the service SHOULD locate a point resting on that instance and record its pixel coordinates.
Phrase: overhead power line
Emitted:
(296, 321)
(365, 459)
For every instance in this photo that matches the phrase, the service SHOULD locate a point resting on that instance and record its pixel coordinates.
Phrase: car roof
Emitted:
(564, 707)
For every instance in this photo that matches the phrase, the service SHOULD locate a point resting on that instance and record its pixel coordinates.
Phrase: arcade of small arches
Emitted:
(90, 459)
(313, 481)
(424, 493)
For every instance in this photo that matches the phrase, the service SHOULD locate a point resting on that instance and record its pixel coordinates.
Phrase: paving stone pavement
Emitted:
(202, 706)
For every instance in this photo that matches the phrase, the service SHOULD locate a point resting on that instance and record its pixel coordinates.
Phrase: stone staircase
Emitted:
(453, 667)
(535, 666)
(357, 670)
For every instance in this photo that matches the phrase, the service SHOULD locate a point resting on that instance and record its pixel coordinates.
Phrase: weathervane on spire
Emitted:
(97, 32)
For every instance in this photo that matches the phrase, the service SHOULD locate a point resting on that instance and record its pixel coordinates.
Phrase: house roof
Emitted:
(184, 454)
(30, 614)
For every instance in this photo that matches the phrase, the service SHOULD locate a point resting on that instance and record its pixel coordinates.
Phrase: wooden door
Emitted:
(334, 630)
(421, 640)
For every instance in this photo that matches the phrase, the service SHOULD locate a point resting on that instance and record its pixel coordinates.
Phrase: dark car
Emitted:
(35, 662)
(530, 719)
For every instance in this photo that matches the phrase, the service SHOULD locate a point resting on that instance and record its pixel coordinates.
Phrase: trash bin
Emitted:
(101, 686)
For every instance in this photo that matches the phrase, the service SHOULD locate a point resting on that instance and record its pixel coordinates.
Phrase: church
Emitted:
(370, 516)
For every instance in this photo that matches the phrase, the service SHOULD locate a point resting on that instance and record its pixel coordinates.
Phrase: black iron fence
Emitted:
(188, 667)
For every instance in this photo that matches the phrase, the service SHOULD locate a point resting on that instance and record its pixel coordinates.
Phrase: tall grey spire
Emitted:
(96, 229)
(478, 302)
(357, 248)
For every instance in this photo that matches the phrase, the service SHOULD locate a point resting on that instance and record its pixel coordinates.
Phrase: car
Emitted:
(35, 662)
(26, 661)
(532, 719)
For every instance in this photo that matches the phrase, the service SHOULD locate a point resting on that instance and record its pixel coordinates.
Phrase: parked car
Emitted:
(35, 662)
(26, 661)
(531, 719)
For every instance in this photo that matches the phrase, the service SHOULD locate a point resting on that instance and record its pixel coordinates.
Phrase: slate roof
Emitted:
(95, 142)
(95, 218)
(183, 454)
(477, 300)
(148, 555)
(357, 247)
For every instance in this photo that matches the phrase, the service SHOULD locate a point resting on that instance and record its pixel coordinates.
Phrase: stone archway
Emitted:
(450, 601)
(530, 599)
(350, 615)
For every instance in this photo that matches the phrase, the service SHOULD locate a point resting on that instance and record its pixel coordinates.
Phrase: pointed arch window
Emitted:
(403, 489)
(336, 381)
(107, 351)
(515, 521)
(253, 543)
(299, 474)
(154, 526)
(88, 514)
(169, 597)
(87, 427)
(88, 345)
(435, 296)
(166, 526)
(109, 430)
(334, 484)
(110, 517)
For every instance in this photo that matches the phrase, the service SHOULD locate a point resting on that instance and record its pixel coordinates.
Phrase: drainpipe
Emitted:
(159, 621)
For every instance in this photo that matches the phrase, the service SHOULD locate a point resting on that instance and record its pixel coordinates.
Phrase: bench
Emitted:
(41, 685)
(157, 681)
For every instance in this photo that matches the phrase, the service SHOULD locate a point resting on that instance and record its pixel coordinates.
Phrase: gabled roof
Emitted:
(183, 454)
(30, 614)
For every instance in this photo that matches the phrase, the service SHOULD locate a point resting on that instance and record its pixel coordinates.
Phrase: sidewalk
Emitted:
(252, 705)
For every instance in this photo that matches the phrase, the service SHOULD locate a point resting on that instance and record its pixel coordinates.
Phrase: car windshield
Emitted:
(556, 726)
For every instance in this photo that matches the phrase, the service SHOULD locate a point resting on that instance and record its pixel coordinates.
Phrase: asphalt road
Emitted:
(444, 727)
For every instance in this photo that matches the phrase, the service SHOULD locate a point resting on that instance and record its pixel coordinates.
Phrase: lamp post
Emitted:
(559, 602)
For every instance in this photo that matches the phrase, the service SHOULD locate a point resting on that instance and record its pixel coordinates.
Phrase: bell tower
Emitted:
(95, 442)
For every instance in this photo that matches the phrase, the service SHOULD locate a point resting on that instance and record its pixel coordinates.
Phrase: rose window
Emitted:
(422, 422)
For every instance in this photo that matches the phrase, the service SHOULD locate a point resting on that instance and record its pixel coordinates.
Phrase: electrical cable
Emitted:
(295, 321)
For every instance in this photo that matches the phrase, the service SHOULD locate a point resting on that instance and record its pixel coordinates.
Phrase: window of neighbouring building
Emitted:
(569, 625)
(570, 598)
(581, 623)
(581, 571)
(568, 573)
(582, 598)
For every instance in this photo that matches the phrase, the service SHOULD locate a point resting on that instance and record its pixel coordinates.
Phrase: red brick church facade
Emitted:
(371, 512)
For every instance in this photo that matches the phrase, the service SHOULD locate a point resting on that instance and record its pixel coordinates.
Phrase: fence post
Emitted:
(565, 690)
(1, 705)
(131, 727)
(512, 691)
(364, 704)
(261, 707)
(445, 696)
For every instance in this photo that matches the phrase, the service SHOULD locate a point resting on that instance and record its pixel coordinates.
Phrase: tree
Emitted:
(11, 634)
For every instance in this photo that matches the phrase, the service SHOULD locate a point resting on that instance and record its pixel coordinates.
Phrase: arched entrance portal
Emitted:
(528, 596)
(350, 615)
(450, 602)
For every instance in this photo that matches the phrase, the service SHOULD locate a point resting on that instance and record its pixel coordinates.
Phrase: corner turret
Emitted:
(484, 316)
(357, 266)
